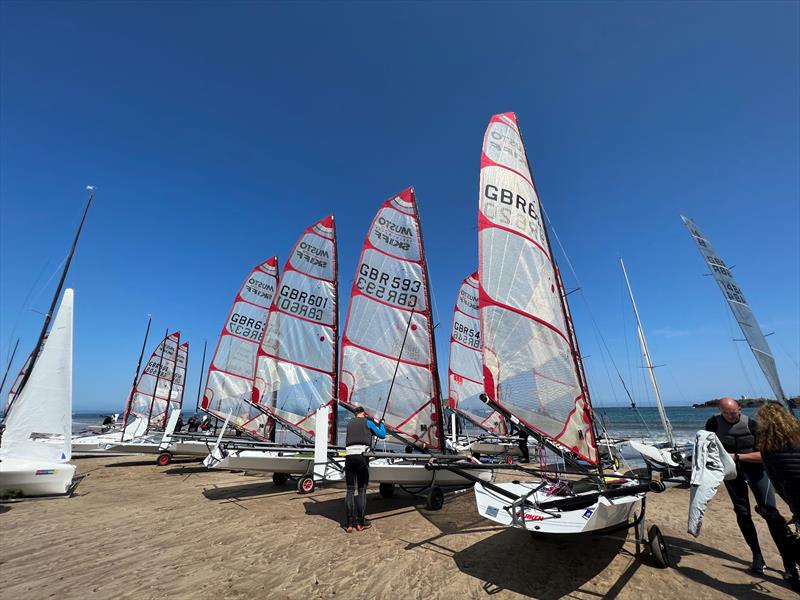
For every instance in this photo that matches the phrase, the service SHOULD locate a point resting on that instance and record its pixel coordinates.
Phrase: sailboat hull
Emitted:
(34, 478)
(414, 473)
(602, 514)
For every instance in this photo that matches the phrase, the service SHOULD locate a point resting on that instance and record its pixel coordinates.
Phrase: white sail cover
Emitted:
(529, 364)
(229, 383)
(390, 312)
(44, 406)
(741, 310)
(296, 365)
(12, 392)
(465, 372)
(152, 392)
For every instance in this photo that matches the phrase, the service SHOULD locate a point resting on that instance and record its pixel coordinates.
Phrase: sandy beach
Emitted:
(135, 530)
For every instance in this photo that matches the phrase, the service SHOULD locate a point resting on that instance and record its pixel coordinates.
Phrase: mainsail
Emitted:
(741, 310)
(44, 406)
(465, 372)
(388, 356)
(153, 390)
(531, 368)
(230, 373)
(296, 365)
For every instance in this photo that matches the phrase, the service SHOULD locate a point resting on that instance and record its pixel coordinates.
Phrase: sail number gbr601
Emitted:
(302, 304)
(393, 289)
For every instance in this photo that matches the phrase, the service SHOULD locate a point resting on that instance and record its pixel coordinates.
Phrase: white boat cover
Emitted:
(710, 465)
(741, 310)
(296, 364)
(43, 409)
(152, 392)
(229, 384)
(388, 356)
(530, 365)
(465, 370)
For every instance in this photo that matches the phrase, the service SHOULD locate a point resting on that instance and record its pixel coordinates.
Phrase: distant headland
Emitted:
(746, 402)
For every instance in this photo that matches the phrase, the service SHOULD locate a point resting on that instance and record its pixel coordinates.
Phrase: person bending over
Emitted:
(360, 430)
(737, 432)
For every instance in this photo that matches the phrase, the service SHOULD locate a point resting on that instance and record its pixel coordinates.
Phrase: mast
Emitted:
(648, 362)
(135, 378)
(48, 316)
(200, 380)
(334, 407)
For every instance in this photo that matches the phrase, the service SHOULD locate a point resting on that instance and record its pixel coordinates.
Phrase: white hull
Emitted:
(34, 478)
(599, 515)
(414, 473)
(175, 448)
(267, 461)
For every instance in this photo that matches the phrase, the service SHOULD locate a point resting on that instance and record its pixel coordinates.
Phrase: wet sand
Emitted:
(135, 530)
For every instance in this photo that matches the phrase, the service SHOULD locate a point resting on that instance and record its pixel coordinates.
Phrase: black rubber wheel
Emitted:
(435, 499)
(658, 547)
(306, 485)
(164, 459)
(280, 478)
(386, 490)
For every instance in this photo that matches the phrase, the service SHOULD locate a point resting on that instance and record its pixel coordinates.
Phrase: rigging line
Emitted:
(751, 388)
(27, 301)
(786, 351)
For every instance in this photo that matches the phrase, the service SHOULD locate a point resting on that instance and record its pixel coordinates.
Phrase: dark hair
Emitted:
(358, 410)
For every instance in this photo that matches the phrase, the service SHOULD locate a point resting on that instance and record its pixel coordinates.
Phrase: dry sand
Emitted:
(135, 530)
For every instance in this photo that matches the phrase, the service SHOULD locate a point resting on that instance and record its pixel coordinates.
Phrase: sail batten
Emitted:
(742, 312)
(465, 368)
(229, 382)
(296, 363)
(530, 364)
(388, 362)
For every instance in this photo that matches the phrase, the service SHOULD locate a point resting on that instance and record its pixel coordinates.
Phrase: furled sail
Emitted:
(530, 366)
(43, 408)
(465, 372)
(388, 357)
(296, 365)
(741, 310)
(229, 384)
(152, 392)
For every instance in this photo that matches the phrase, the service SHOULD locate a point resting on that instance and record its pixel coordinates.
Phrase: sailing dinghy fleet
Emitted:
(282, 372)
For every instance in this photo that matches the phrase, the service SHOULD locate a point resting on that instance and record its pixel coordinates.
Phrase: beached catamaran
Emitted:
(741, 311)
(43, 409)
(465, 370)
(531, 362)
(229, 384)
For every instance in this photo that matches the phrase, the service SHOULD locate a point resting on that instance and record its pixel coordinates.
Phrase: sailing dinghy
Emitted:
(294, 383)
(531, 363)
(42, 409)
(388, 364)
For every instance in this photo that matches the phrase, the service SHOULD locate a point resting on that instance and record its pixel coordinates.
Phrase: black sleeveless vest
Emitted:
(736, 437)
(358, 432)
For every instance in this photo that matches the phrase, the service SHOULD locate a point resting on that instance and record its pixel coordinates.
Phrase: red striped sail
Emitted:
(388, 357)
(530, 364)
(296, 365)
(465, 369)
(229, 383)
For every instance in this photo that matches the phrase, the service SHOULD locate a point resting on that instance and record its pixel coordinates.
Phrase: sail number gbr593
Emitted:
(393, 289)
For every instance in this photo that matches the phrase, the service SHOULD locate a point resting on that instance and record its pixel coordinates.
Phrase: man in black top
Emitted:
(360, 430)
(737, 432)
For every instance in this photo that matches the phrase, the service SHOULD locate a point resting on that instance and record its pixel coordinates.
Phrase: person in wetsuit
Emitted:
(737, 432)
(360, 430)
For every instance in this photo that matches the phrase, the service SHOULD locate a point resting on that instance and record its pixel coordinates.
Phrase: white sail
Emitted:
(388, 358)
(43, 409)
(151, 394)
(530, 367)
(465, 370)
(296, 365)
(229, 384)
(741, 310)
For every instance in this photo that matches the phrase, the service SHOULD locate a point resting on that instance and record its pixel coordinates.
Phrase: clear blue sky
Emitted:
(216, 132)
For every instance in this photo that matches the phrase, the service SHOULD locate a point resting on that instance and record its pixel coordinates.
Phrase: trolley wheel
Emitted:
(509, 460)
(435, 499)
(280, 478)
(658, 546)
(306, 485)
(164, 459)
(386, 490)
